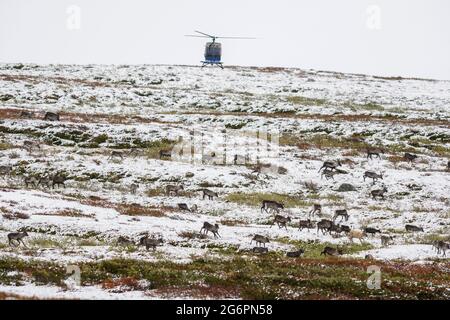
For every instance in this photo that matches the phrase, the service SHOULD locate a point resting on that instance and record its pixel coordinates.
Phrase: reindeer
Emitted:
(341, 213)
(208, 227)
(386, 239)
(324, 225)
(308, 224)
(358, 234)
(183, 207)
(412, 228)
(31, 145)
(295, 254)
(165, 154)
(374, 152)
(372, 175)
(448, 165)
(51, 116)
(316, 208)
(18, 237)
(115, 154)
(345, 229)
(45, 181)
(171, 189)
(441, 246)
(6, 170)
(124, 241)
(58, 180)
(210, 194)
(133, 188)
(259, 239)
(150, 242)
(272, 205)
(371, 231)
(331, 251)
(331, 165)
(30, 180)
(281, 221)
(378, 193)
(329, 174)
(260, 250)
(410, 157)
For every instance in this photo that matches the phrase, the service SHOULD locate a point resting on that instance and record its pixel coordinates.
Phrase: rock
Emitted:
(346, 187)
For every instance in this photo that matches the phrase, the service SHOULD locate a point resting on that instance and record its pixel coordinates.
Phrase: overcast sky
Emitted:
(382, 37)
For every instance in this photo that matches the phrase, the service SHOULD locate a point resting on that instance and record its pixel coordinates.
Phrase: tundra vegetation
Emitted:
(88, 177)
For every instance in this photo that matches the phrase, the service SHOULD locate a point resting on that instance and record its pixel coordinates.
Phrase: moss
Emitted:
(305, 101)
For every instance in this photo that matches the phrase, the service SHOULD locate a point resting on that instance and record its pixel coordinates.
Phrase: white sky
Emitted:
(413, 39)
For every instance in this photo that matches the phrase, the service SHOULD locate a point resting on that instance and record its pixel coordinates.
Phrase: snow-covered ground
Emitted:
(216, 113)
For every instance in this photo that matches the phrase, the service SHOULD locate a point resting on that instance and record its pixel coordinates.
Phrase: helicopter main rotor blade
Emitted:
(248, 38)
(205, 34)
(194, 36)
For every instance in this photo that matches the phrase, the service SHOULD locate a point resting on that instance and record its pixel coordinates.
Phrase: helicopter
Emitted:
(213, 49)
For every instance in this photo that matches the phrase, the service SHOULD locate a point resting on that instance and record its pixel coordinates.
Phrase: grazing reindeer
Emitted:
(281, 221)
(357, 234)
(165, 154)
(412, 228)
(133, 152)
(308, 224)
(341, 213)
(330, 251)
(33, 181)
(324, 225)
(31, 145)
(58, 180)
(371, 231)
(374, 152)
(330, 165)
(6, 170)
(272, 205)
(345, 229)
(316, 208)
(210, 194)
(372, 175)
(115, 154)
(183, 207)
(410, 157)
(378, 193)
(329, 174)
(259, 239)
(173, 189)
(51, 116)
(45, 182)
(441, 246)
(260, 250)
(295, 254)
(124, 241)
(150, 242)
(385, 240)
(208, 227)
(18, 237)
(337, 229)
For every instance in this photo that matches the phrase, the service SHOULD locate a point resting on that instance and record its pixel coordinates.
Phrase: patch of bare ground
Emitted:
(129, 209)
(11, 113)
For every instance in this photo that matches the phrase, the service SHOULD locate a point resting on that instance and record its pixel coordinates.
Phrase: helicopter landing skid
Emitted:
(205, 63)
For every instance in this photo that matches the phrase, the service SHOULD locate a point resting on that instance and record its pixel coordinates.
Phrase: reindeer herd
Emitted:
(333, 227)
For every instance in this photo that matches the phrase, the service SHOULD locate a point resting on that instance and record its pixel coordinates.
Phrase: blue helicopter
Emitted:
(213, 49)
